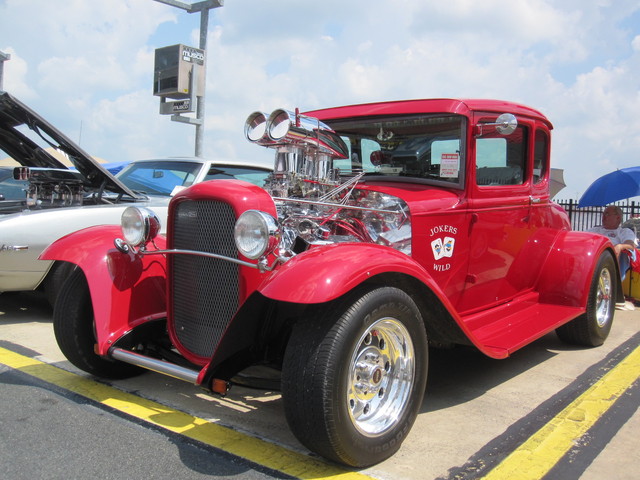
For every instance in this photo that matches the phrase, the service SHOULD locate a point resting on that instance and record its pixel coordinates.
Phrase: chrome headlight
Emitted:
(139, 225)
(256, 233)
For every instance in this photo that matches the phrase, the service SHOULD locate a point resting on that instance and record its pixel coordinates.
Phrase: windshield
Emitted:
(427, 148)
(248, 174)
(159, 178)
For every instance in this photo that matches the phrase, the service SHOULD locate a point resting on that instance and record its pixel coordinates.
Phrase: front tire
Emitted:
(592, 328)
(354, 376)
(56, 277)
(73, 326)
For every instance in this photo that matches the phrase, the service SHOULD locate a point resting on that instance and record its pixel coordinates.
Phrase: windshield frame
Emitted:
(378, 128)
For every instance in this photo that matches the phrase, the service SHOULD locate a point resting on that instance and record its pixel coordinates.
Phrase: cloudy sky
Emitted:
(87, 66)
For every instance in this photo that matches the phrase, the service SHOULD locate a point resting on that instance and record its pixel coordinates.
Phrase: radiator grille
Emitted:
(204, 290)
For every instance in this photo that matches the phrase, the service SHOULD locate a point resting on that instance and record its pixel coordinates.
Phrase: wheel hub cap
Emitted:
(381, 378)
(603, 298)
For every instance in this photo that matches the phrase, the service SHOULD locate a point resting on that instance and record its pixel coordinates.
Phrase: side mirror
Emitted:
(505, 125)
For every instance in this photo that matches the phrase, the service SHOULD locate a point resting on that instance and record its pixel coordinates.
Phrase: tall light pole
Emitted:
(3, 58)
(202, 7)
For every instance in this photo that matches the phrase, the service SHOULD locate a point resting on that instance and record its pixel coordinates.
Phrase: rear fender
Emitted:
(114, 279)
(566, 276)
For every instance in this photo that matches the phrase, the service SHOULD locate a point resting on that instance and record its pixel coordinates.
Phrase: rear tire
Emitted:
(354, 376)
(73, 326)
(592, 328)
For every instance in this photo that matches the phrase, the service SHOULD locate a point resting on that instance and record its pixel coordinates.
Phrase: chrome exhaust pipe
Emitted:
(153, 364)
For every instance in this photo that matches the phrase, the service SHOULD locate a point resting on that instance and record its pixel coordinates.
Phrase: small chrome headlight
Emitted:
(256, 233)
(139, 225)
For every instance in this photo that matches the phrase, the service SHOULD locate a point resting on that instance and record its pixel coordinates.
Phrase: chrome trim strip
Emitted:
(13, 248)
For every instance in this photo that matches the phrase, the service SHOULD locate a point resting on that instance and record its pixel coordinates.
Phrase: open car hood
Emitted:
(16, 118)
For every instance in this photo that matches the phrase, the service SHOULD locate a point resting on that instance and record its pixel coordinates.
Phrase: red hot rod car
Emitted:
(384, 229)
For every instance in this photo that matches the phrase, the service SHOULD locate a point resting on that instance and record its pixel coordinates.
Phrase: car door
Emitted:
(500, 218)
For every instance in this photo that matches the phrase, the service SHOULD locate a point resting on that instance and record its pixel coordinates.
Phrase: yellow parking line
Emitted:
(537, 456)
(253, 449)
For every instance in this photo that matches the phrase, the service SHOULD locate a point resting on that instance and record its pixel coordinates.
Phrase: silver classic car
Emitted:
(43, 200)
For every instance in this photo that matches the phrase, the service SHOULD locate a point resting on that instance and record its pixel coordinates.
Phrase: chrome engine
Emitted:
(318, 204)
(50, 188)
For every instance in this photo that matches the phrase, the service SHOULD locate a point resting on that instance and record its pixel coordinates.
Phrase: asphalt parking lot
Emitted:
(550, 411)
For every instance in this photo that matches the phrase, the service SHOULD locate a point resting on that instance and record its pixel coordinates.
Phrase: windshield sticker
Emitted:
(449, 165)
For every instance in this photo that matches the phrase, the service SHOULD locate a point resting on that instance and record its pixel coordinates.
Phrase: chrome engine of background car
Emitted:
(49, 187)
(317, 203)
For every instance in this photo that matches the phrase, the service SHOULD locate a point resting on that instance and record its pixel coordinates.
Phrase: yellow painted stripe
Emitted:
(535, 457)
(253, 449)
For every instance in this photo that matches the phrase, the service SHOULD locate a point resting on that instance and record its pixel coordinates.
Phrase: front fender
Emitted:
(324, 273)
(114, 279)
(566, 275)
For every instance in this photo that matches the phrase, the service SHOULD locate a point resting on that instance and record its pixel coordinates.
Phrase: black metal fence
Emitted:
(587, 217)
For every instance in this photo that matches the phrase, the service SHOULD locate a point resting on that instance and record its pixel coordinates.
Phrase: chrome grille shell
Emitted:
(204, 294)
(204, 291)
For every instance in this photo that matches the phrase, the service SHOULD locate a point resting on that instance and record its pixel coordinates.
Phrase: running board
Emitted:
(159, 366)
(524, 325)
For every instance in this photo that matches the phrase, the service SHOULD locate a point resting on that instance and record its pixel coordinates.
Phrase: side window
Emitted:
(500, 160)
(540, 152)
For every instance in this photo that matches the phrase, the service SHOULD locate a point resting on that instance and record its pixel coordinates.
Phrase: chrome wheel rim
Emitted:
(603, 298)
(381, 377)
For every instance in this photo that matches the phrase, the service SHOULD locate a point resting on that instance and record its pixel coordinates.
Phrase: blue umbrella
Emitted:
(614, 186)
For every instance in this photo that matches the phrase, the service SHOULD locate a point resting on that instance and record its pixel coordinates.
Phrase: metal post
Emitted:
(3, 58)
(203, 7)
(204, 26)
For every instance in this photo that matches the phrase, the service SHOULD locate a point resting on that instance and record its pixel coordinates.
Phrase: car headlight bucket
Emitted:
(256, 233)
(139, 225)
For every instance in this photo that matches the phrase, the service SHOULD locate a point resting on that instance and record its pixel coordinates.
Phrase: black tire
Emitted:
(356, 416)
(56, 277)
(73, 326)
(592, 328)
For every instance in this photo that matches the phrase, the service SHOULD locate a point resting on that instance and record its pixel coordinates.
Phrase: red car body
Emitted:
(488, 263)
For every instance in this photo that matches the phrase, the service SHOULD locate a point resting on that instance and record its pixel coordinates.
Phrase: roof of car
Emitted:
(432, 105)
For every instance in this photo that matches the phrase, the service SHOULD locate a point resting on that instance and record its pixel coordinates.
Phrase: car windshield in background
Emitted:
(159, 178)
(251, 175)
(429, 148)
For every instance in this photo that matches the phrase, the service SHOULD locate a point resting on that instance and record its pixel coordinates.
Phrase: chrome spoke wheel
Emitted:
(382, 371)
(603, 298)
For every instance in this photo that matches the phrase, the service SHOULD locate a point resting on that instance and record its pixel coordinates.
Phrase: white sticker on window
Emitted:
(449, 165)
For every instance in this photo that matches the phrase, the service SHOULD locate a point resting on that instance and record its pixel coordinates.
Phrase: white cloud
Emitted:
(14, 75)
